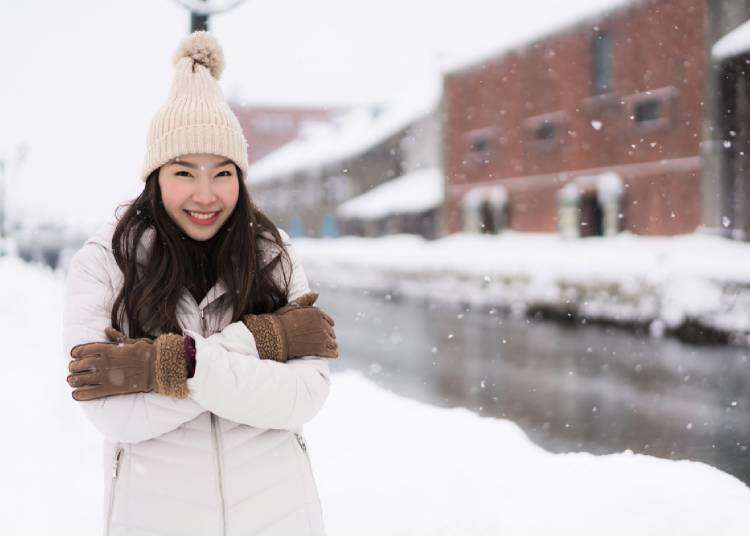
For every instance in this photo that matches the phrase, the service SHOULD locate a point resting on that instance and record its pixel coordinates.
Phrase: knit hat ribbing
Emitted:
(196, 118)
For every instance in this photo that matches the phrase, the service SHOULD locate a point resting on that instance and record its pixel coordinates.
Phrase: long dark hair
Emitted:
(149, 295)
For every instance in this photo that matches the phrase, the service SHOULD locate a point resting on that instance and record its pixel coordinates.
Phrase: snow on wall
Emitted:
(415, 192)
(735, 42)
(358, 132)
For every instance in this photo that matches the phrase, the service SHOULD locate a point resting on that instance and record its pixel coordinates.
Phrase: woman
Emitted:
(202, 403)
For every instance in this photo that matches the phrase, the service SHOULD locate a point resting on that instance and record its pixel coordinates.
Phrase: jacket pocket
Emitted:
(117, 458)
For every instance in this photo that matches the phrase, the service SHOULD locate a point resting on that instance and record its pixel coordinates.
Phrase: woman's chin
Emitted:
(197, 232)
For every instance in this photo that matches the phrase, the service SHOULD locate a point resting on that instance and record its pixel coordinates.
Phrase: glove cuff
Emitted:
(170, 367)
(269, 336)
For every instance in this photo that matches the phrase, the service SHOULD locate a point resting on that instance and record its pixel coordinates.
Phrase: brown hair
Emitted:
(149, 294)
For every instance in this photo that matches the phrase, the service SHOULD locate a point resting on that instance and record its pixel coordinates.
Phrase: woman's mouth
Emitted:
(202, 218)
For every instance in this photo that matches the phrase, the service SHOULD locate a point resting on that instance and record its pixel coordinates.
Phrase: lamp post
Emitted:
(3, 202)
(198, 21)
(201, 10)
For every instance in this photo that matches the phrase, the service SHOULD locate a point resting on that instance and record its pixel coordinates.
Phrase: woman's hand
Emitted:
(298, 329)
(101, 369)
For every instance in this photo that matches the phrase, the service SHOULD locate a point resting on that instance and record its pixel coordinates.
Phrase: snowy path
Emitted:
(385, 465)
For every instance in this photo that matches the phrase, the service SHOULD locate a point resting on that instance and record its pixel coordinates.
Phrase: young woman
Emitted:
(195, 346)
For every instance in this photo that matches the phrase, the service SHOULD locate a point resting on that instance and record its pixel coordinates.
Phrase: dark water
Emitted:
(572, 388)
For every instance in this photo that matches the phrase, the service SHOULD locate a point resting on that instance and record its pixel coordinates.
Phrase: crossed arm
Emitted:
(230, 377)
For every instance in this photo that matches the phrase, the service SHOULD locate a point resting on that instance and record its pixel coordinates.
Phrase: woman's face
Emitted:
(199, 192)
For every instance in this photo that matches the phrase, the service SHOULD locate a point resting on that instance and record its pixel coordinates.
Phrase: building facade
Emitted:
(591, 130)
(300, 185)
(411, 202)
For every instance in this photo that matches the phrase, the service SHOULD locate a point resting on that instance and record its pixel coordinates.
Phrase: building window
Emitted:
(482, 145)
(336, 189)
(602, 64)
(647, 110)
(545, 132)
(652, 109)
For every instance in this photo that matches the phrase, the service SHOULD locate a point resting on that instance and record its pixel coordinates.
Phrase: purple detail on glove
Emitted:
(190, 355)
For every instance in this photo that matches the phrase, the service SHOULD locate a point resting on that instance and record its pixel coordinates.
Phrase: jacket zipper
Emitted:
(302, 444)
(115, 474)
(217, 447)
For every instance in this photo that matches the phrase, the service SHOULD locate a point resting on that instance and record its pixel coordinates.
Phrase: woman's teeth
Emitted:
(202, 215)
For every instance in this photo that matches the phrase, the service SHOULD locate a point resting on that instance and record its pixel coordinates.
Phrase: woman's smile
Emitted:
(202, 218)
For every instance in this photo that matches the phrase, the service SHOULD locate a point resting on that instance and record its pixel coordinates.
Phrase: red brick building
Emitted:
(619, 95)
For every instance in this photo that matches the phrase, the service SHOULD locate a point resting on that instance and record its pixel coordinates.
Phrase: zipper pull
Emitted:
(203, 322)
(116, 464)
(301, 441)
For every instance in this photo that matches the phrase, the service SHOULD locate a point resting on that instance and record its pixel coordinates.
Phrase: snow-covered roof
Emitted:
(357, 132)
(414, 192)
(527, 22)
(735, 42)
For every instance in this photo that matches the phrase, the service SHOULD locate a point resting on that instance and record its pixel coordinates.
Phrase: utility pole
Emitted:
(201, 11)
(198, 21)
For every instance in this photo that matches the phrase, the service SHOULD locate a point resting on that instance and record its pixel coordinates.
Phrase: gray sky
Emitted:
(85, 77)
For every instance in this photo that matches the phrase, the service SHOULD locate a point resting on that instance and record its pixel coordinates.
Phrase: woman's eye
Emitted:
(179, 173)
(228, 173)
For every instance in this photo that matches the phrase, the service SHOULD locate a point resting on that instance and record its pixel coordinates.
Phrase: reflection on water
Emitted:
(572, 388)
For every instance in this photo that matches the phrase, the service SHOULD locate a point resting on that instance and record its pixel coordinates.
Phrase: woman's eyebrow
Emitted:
(193, 166)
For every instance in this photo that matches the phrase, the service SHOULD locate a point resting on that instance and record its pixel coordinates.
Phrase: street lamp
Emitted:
(201, 10)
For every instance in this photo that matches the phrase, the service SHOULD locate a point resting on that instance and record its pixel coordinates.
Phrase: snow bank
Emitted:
(627, 278)
(385, 465)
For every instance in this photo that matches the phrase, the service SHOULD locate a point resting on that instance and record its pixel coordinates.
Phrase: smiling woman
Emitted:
(196, 349)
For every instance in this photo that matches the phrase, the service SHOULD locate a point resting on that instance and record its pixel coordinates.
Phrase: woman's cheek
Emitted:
(230, 194)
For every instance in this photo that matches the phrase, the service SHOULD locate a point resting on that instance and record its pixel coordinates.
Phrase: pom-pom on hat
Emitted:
(195, 118)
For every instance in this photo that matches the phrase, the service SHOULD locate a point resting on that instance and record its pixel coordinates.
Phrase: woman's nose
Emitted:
(204, 193)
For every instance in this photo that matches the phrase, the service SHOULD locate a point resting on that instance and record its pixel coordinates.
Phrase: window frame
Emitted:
(602, 55)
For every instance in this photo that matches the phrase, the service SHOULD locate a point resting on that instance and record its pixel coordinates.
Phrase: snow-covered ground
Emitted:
(663, 281)
(385, 465)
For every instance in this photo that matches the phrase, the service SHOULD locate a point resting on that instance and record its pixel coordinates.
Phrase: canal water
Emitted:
(571, 387)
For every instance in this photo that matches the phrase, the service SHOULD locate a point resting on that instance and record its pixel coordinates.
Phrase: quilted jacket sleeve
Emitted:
(122, 418)
(232, 381)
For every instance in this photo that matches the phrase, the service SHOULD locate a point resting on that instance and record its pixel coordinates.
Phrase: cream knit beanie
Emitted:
(196, 118)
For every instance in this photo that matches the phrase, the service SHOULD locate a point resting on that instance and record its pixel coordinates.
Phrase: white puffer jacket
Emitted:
(228, 460)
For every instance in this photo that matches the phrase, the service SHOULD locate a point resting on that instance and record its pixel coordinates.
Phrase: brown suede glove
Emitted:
(100, 369)
(298, 329)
